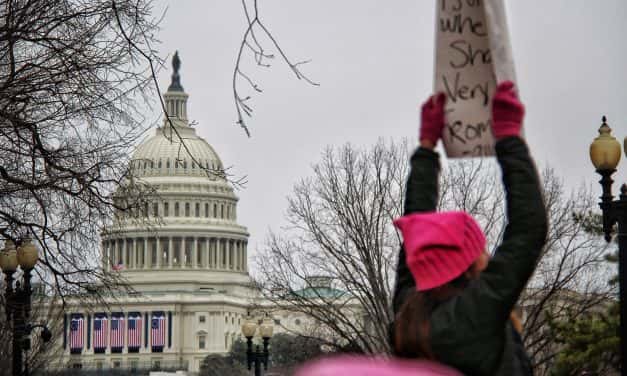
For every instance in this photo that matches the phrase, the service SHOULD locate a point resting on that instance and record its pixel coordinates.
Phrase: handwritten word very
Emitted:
(464, 92)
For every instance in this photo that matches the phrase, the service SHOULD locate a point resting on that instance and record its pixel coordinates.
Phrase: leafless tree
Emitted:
(571, 280)
(340, 226)
(72, 93)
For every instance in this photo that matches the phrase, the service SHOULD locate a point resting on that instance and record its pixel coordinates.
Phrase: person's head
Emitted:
(444, 252)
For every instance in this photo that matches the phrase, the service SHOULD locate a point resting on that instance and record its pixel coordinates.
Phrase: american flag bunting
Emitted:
(134, 330)
(157, 330)
(100, 332)
(117, 331)
(76, 332)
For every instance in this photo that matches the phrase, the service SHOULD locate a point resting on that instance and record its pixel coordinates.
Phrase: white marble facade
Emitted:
(183, 253)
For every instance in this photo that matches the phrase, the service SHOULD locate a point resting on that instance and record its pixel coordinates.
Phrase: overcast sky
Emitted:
(374, 62)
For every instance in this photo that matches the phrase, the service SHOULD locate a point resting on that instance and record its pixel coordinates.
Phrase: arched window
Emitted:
(197, 210)
(166, 209)
(215, 210)
(206, 210)
(185, 163)
(187, 209)
(176, 209)
(167, 164)
(222, 211)
(176, 163)
(155, 209)
(159, 163)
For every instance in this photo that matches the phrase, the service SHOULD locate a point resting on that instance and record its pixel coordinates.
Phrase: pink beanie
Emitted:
(439, 247)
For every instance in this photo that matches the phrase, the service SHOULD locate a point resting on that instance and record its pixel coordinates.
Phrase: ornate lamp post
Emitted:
(257, 356)
(605, 155)
(18, 298)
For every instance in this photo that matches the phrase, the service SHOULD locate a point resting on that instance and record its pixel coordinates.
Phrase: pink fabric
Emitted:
(365, 366)
(507, 111)
(432, 118)
(439, 247)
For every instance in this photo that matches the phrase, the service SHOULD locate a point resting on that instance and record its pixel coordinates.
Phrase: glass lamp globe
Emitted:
(267, 328)
(8, 257)
(605, 149)
(249, 327)
(27, 255)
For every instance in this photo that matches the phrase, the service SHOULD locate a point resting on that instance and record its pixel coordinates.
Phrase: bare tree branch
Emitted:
(251, 42)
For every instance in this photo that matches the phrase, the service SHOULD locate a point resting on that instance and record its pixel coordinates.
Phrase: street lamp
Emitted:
(249, 328)
(18, 298)
(605, 155)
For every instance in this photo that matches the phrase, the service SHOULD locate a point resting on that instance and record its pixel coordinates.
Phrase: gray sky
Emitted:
(374, 62)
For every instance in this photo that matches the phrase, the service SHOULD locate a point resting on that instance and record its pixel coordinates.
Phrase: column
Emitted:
(195, 252)
(213, 331)
(227, 248)
(183, 253)
(105, 255)
(170, 252)
(117, 251)
(244, 256)
(123, 251)
(216, 251)
(147, 261)
(241, 255)
(134, 259)
(212, 253)
(245, 244)
(240, 246)
(128, 261)
(236, 256)
(158, 244)
(219, 253)
(113, 251)
(233, 255)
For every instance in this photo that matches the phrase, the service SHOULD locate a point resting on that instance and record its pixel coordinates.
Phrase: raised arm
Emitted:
(500, 285)
(422, 184)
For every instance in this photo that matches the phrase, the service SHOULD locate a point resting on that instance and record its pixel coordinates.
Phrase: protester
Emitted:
(452, 302)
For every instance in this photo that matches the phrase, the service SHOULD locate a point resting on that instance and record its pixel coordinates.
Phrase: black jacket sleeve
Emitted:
(515, 259)
(421, 196)
(471, 331)
(487, 303)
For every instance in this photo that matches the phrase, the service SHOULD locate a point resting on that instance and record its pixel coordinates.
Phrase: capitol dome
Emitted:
(164, 155)
(186, 237)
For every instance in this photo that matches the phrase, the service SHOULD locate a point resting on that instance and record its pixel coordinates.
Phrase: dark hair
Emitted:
(412, 324)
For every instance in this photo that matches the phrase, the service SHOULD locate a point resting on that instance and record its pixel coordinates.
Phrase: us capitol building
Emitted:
(187, 263)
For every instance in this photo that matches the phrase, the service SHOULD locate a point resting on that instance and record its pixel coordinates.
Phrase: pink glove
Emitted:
(507, 111)
(432, 118)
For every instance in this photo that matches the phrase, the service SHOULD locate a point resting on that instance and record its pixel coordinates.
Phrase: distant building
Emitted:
(186, 259)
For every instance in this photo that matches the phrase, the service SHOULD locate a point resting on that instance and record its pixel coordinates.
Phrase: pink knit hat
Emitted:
(439, 247)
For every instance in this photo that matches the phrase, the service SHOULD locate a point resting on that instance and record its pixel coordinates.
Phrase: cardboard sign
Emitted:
(472, 51)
